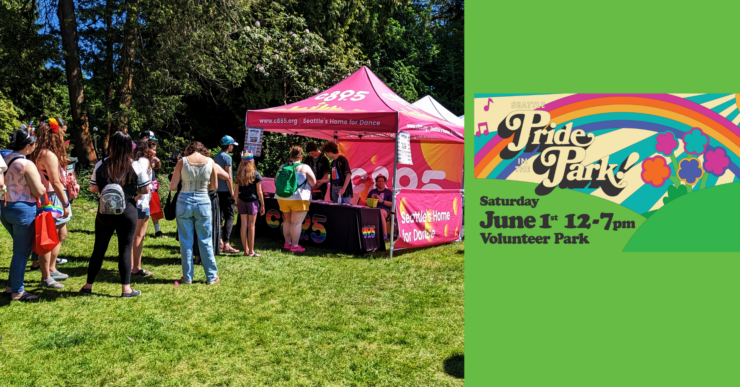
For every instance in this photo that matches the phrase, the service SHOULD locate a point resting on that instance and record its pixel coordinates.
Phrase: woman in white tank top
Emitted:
(295, 207)
(194, 210)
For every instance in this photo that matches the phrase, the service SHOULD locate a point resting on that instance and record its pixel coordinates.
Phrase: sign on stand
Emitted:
(253, 141)
(404, 148)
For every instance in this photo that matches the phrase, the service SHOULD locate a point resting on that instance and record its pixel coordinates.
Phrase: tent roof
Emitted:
(431, 106)
(359, 105)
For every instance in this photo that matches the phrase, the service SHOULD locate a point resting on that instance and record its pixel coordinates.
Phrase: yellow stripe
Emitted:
(489, 168)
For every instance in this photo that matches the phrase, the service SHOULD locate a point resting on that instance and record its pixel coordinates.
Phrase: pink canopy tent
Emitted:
(360, 105)
(363, 116)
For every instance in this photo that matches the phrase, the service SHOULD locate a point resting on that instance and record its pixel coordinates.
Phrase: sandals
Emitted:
(59, 276)
(86, 292)
(230, 250)
(25, 297)
(51, 283)
(143, 273)
(255, 255)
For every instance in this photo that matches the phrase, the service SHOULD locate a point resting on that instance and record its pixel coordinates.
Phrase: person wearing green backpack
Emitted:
(293, 185)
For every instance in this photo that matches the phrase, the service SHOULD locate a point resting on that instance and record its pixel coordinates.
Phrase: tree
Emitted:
(73, 70)
(192, 68)
(8, 119)
(447, 70)
(26, 50)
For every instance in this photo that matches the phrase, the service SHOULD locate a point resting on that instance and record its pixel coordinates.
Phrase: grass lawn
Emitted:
(315, 319)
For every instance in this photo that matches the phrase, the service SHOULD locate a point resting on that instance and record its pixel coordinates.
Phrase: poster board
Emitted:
(650, 167)
(253, 141)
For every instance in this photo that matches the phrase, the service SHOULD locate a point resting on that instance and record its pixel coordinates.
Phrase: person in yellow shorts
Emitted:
(295, 207)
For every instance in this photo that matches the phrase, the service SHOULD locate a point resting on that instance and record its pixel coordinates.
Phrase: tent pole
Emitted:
(395, 193)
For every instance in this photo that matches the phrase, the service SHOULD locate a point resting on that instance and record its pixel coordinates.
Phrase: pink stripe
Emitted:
(486, 149)
(660, 97)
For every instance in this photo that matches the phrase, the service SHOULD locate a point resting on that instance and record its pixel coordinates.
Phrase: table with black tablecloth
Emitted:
(352, 229)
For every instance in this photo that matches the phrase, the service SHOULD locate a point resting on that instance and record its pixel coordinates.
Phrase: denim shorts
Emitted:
(142, 214)
(54, 199)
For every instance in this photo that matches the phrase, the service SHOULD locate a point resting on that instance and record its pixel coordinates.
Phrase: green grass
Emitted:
(321, 318)
(701, 221)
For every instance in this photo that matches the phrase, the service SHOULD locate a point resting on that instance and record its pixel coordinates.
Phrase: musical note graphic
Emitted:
(490, 101)
(479, 130)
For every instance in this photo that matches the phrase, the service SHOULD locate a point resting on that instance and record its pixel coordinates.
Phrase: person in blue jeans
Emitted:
(18, 213)
(193, 212)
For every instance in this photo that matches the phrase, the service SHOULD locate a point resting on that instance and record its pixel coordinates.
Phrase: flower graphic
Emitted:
(689, 170)
(695, 141)
(655, 171)
(667, 143)
(716, 161)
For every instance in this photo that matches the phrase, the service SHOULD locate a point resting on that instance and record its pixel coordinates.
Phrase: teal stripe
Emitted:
(645, 197)
(702, 98)
(721, 108)
(732, 115)
(481, 141)
(629, 116)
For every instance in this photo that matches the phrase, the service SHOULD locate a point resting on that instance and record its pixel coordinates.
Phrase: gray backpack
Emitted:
(113, 199)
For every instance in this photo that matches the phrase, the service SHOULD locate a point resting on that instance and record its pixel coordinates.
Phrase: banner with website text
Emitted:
(428, 217)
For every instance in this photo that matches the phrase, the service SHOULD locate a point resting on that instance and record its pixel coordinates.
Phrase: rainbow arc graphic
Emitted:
(623, 124)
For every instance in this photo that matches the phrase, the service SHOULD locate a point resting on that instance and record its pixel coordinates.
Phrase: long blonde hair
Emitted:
(245, 173)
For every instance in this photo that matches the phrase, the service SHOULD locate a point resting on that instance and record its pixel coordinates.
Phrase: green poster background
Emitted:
(591, 315)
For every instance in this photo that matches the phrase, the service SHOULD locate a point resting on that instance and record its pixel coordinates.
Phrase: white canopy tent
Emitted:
(431, 106)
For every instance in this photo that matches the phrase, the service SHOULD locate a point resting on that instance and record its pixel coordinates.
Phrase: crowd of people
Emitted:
(35, 177)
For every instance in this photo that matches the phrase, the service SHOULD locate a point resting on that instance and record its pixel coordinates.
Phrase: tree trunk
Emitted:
(80, 125)
(109, 68)
(128, 50)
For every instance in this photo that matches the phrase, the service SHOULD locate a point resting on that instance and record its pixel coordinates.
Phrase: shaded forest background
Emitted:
(190, 69)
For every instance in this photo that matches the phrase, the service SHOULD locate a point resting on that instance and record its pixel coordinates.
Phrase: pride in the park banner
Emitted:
(663, 167)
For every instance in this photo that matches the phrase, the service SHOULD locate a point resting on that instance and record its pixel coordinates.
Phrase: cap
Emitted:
(228, 140)
(148, 134)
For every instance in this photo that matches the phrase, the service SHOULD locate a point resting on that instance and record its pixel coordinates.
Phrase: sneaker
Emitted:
(61, 261)
(286, 246)
(297, 249)
(133, 293)
(159, 234)
(213, 282)
(182, 281)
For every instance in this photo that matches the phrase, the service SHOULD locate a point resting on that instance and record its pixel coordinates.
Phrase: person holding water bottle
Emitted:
(385, 199)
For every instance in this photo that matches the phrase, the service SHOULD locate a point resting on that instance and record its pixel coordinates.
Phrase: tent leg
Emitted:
(395, 192)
